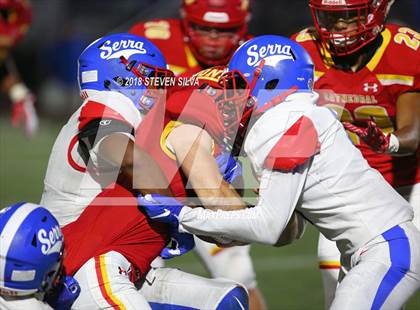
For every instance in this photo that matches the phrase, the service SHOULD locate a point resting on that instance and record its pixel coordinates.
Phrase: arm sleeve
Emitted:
(91, 135)
(264, 223)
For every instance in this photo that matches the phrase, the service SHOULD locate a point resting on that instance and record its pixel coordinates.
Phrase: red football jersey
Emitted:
(185, 105)
(113, 222)
(393, 70)
(168, 36)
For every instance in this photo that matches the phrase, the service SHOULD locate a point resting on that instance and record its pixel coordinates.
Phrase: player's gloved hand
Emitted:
(161, 209)
(179, 244)
(372, 135)
(23, 110)
(67, 292)
(229, 167)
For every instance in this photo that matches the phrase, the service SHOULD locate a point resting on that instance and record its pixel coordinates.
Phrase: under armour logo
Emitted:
(370, 87)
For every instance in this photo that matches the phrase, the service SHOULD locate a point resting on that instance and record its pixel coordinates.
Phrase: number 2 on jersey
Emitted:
(410, 37)
(365, 112)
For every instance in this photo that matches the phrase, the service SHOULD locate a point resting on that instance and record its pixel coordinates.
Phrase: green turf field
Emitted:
(288, 276)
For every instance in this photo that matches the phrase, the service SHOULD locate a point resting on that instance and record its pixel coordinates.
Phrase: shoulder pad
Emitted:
(111, 105)
(297, 145)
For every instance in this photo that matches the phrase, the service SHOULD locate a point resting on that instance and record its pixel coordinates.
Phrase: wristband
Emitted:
(394, 144)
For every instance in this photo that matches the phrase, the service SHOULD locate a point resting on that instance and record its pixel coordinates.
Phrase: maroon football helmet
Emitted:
(214, 28)
(345, 26)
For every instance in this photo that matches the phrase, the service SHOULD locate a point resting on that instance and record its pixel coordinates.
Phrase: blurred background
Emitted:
(61, 29)
(46, 60)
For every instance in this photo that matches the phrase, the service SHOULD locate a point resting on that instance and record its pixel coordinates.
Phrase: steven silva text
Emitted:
(160, 82)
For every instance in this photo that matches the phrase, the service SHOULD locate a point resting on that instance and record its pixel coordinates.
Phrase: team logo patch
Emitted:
(126, 48)
(272, 53)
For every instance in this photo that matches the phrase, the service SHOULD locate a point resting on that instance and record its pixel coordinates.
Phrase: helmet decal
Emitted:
(123, 63)
(125, 48)
(270, 52)
(32, 249)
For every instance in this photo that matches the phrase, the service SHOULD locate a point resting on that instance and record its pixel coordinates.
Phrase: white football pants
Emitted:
(329, 256)
(233, 263)
(383, 274)
(105, 284)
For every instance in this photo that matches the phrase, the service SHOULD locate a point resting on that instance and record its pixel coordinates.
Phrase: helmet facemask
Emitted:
(344, 29)
(235, 107)
(147, 90)
(214, 28)
(212, 46)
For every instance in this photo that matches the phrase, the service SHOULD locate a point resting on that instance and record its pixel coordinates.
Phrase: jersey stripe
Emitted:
(162, 306)
(399, 252)
(177, 69)
(386, 36)
(192, 62)
(70, 159)
(103, 281)
(165, 133)
(329, 265)
(390, 79)
(215, 250)
(318, 75)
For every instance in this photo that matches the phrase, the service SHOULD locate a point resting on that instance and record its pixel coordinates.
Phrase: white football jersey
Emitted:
(68, 187)
(306, 163)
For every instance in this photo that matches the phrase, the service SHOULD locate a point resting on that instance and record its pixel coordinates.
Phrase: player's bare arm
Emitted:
(408, 122)
(193, 148)
(136, 165)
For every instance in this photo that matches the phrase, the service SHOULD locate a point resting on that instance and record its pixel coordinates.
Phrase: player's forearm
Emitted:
(194, 152)
(262, 224)
(408, 122)
(148, 177)
(224, 197)
(408, 139)
(249, 225)
(138, 172)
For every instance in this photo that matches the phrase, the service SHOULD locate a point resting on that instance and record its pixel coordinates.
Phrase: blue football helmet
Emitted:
(261, 73)
(271, 65)
(31, 249)
(125, 63)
